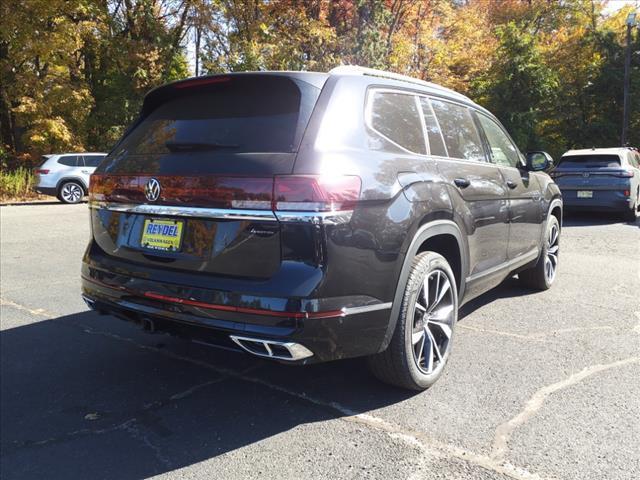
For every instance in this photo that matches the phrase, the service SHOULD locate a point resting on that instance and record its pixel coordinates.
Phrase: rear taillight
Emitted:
(316, 193)
(41, 171)
(301, 193)
(625, 174)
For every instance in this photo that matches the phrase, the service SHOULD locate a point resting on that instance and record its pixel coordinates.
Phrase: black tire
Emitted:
(70, 191)
(398, 364)
(539, 277)
(631, 215)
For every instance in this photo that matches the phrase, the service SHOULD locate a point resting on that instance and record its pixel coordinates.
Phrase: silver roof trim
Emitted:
(358, 70)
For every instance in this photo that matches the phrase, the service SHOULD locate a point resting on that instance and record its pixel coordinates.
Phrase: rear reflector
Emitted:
(40, 171)
(251, 311)
(627, 193)
(305, 193)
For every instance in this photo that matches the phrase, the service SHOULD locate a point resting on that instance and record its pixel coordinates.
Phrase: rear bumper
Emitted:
(330, 328)
(603, 200)
(46, 190)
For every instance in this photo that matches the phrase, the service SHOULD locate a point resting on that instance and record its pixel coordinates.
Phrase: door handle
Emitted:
(85, 171)
(511, 184)
(462, 182)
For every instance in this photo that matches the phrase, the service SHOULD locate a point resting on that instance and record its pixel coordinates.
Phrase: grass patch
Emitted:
(17, 185)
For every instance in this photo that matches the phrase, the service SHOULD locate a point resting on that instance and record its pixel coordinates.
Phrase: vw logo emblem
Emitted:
(152, 190)
(585, 174)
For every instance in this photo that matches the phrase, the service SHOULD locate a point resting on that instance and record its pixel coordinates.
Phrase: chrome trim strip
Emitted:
(366, 308)
(176, 211)
(316, 218)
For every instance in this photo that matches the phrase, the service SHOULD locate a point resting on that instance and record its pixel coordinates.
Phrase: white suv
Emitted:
(66, 175)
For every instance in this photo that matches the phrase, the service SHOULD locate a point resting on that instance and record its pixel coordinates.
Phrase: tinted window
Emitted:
(589, 161)
(69, 160)
(92, 160)
(225, 126)
(396, 116)
(503, 151)
(460, 133)
(436, 143)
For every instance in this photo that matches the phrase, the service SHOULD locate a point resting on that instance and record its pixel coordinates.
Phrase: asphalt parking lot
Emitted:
(540, 385)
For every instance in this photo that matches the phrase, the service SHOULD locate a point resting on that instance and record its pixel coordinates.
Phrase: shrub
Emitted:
(17, 183)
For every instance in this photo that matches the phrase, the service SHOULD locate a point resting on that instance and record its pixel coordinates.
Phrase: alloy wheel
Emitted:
(71, 192)
(553, 246)
(433, 320)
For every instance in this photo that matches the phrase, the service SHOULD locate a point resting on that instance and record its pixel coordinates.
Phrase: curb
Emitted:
(35, 203)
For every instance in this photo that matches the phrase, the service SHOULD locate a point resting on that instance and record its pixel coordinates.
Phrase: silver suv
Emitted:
(66, 175)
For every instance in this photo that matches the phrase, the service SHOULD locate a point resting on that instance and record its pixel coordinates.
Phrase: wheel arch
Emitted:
(555, 209)
(443, 237)
(78, 180)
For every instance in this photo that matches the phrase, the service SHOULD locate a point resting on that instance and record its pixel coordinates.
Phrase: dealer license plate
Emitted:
(162, 234)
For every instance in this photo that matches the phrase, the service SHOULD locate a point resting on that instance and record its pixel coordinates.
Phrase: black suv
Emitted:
(307, 217)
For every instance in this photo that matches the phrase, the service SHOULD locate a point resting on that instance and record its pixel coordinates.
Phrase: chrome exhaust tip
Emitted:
(289, 351)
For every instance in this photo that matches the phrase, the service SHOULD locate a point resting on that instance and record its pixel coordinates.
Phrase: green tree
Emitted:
(519, 87)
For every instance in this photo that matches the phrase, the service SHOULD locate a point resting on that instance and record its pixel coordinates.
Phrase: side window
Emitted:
(396, 117)
(92, 160)
(459, 130)
(69, 160)
(503, 151)
(434, 135)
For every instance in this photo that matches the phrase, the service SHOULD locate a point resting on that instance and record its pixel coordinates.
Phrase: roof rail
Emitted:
(372, 72)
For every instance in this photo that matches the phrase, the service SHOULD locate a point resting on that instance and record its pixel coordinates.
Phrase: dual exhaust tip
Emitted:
(288, 351)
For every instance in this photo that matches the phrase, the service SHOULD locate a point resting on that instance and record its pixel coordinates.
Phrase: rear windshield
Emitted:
(589, 161)
(221, 124)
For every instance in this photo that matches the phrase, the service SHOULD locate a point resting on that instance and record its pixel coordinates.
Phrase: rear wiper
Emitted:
(196, 146)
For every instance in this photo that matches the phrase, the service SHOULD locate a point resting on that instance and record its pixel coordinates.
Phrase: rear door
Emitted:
(525, 214)
(477, 187)
(190, 187)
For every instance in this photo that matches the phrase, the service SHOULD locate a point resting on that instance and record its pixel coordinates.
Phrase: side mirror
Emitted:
(539, 161)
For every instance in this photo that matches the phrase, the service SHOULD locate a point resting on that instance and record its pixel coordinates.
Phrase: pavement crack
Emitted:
(39, 312)
(504, 431)
(138, 434)
(499, 332)
(536, 337)
(343, 413)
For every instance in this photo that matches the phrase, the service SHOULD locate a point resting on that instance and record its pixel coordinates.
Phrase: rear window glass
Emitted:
(396, 117)
(69, 160)
(436, 143)
(217, 123)
(92, 160)
(589, 161)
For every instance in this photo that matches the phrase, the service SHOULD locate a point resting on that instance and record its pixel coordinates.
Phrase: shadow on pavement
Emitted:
(510, 288)
(85, 396)
(590, 219)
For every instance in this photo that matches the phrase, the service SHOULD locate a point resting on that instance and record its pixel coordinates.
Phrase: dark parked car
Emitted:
(307, 217)
(600, 179)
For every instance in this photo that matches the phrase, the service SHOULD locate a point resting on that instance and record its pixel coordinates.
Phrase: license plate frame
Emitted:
(585, 194)
(166, 239)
